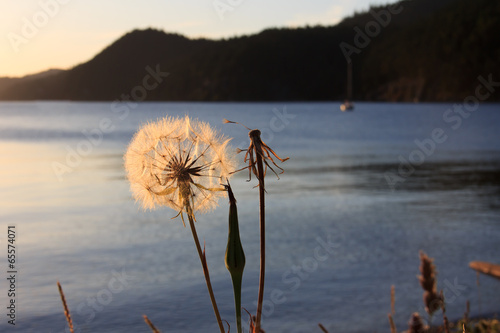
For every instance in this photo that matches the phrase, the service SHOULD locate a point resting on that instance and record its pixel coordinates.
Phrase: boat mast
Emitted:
(349, 81)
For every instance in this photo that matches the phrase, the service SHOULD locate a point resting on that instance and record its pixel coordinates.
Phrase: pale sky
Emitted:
(40, 34)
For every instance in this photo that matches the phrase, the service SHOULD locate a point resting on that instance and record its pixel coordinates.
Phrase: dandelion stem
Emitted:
(262, 153)
(262, 208)
(203, 260)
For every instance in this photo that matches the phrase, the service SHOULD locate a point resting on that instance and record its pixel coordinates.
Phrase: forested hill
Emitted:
(424, 50)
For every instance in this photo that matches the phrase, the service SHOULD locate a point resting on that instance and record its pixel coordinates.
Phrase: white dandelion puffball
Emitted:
(179, 163)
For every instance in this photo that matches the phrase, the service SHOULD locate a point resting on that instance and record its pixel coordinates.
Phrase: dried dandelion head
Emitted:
(262, 153)
(179, 163)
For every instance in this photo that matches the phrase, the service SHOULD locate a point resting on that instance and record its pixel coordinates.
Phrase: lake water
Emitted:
(362, 194)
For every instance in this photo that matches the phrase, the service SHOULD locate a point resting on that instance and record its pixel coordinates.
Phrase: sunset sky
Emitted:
(43, 34)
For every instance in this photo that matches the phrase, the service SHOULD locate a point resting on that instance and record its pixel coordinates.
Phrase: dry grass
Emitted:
(150, 324)
(393, 300)
(427, 280)
(415, 325)
(66, 309)
(323, 328)
(391, 323)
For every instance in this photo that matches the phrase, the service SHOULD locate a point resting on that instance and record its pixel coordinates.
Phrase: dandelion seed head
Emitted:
(262, 152)
(176, 162)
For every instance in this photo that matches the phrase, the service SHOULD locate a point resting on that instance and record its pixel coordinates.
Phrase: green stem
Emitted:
(237, 300)
(260, 300)
(235, 257)
(205, 267)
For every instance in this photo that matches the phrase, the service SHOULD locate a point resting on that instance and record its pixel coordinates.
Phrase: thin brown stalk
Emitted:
(391, 323)
(478, 290)
(393, 300)
(66, 309)
(203, 260)
(252, 324)
(466, 314)
(262, 208)
(150, 324)
(323, 328)
(446, 323)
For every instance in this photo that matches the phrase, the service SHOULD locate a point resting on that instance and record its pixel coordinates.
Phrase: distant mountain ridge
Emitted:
(425, 50)
(6, 82)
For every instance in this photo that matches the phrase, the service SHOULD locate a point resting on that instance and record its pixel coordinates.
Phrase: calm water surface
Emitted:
(362, 194)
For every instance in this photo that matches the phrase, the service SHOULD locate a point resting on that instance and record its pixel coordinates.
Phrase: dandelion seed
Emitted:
(179, 163)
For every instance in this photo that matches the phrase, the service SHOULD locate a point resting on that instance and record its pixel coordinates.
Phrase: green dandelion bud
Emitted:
(235, 257)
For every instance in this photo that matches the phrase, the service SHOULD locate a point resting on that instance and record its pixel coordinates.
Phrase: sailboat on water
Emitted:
(348, 105)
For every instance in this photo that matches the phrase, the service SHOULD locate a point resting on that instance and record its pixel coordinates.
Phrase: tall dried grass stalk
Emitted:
(427, 280)
(393, 300)
(391, 322)
(66, 309)
(478, 290)
(150, 324)
(323, 328)
(446, 323)
(466, 313)
(252, 324)
(467, 304)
